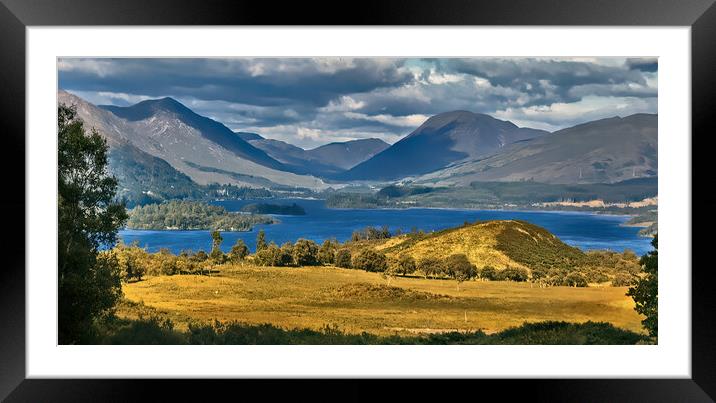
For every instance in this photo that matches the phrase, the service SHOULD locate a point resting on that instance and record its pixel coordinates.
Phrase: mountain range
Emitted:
(442, 140)
(324, 161)
(163, 141)
(602, 151)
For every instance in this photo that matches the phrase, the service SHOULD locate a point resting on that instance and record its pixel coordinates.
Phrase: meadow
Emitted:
(356, 301)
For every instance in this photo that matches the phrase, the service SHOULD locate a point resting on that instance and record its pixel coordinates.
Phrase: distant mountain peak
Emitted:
(441, 140)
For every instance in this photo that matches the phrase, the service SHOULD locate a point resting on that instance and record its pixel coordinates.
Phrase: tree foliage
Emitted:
(88, 218)
(370, 260)
(646, 291)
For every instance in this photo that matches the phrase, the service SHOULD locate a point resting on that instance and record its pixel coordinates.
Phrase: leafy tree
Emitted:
(343, 258)
(260, 241)
(305, 253)
(88, 218)
(460, 268)
(285, 257)
(327, 253)
(269, 255)
(216, 254)
(430, 267)
(646, 291)
(406, 265)
(514, 274)
(370, 260)
(239, 251)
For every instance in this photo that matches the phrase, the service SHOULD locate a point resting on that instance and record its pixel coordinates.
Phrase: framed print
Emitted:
(447, 190)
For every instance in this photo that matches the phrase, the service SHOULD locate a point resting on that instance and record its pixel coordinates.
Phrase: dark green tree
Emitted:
(370, 260)
(646, 291)
(305, 253)
(88, 219)
(406, 265)
(343, 258)
(239, 251)
(327, 253)
(459, 268)
(260, 241)
(216, 254)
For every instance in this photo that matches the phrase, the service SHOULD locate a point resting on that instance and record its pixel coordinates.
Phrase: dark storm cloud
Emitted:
(313, 101)
(643, 64)
(266, 82)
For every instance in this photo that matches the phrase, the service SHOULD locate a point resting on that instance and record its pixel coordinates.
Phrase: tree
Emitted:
(305, 253)
(405, 265)
(260, 241)
(460, 268)
(216, 254)
(327, 253)
(269, 255)
(645, 292)
(239, 251)
(343, 258)
(285, 257)
(88, 219)
(370, 260)
(430, 267)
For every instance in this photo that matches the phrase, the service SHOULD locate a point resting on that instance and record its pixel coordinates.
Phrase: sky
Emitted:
(313, 101)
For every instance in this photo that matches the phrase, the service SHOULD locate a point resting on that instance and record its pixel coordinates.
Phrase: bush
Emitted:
(575, 280)
(488, 273)
(459, 267)
(370, 260)
(624, 280)
(343, 258)
(514, 274)
(305, 253)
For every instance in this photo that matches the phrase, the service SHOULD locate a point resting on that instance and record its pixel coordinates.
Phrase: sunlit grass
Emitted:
(357, 301)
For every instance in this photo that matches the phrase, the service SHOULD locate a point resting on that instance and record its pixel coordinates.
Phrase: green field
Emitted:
(355, 301)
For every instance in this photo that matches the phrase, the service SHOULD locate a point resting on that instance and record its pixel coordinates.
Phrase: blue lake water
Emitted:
(583, 230)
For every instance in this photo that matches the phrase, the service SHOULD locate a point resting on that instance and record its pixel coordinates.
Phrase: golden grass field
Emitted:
(356, 301)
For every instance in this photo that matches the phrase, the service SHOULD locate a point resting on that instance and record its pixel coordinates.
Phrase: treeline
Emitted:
(190, 215)
(619, 269)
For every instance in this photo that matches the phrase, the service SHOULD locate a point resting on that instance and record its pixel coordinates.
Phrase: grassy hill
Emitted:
(496, 243)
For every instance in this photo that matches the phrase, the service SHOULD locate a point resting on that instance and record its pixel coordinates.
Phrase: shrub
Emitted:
(488, 273)
(343, 258)
(575, 280)
(370, 260)
(624, 280)
(514, 274)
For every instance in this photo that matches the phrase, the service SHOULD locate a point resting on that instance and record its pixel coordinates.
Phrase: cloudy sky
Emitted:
(309, 102)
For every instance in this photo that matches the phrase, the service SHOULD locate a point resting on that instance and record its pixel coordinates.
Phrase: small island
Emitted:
(282, 209)
(191, 215)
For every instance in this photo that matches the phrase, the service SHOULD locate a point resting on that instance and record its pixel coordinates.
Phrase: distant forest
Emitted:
(190, 215)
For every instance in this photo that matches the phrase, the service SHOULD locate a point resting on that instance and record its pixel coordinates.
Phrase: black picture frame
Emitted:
(16, 15)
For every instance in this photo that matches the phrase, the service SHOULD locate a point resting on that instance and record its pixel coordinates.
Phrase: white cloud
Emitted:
(404, 121)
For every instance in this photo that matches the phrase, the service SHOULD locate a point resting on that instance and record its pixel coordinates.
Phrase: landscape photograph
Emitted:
(356, 200)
